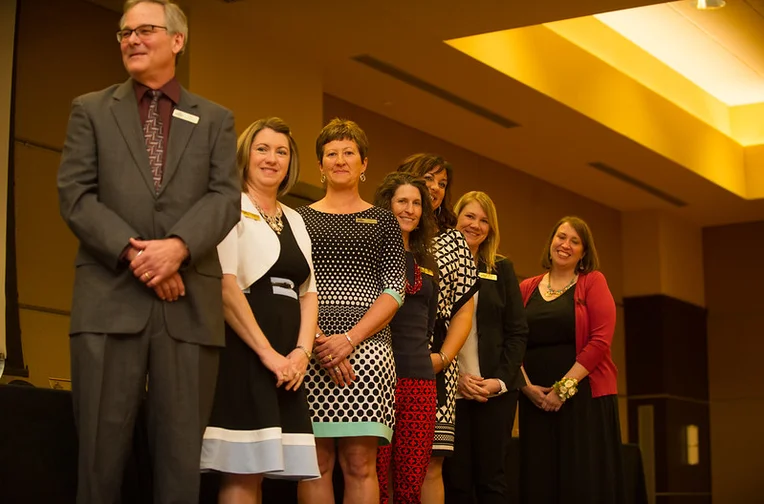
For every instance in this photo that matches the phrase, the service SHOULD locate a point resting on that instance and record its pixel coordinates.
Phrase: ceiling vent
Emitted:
(403, 76)
(654, 191)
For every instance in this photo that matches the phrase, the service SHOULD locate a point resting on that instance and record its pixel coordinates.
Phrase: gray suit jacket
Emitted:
(107, 196)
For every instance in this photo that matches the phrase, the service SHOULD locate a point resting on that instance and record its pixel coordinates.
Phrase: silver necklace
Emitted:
(274, 221)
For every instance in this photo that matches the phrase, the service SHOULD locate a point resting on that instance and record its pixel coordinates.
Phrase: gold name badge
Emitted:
(426, 271)
(361, 220)
(487, 276)
(250, 215)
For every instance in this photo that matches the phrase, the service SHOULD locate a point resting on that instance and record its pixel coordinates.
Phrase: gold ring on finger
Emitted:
(147, 275)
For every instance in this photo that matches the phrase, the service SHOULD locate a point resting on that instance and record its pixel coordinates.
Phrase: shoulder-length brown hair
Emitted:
(590, 261)
(420, 164)
(421, 237)
(244, 152)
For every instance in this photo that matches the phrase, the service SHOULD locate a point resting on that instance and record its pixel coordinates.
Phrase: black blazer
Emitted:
(501, 326)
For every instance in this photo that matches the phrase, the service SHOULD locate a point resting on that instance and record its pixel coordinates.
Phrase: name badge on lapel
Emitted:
(250, 215)
(361, 220)
(487, 276)
(426, 271)
(185, 116)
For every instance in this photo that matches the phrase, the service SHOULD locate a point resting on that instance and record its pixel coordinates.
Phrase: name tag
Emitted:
(185, 116)
(361, 220)
(487, 276)
(426, 271)
(250, 215)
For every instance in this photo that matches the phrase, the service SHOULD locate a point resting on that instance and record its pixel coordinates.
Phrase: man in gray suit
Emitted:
(148, 185)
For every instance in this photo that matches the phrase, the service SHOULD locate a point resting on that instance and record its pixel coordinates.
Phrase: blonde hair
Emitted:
(174, 18)
(244, 152)
(488, 250)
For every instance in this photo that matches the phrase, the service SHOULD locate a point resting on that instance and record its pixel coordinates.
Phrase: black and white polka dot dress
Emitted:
(458, 283)
(356, 258)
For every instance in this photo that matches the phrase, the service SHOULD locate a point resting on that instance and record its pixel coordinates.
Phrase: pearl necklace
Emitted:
(555, 292)
(274, 221)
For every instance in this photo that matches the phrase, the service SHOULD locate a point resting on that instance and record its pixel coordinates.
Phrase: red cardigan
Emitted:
(595, 324)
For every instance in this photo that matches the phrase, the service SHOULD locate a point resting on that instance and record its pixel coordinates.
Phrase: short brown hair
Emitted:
(590, 261)
(421, 238)
(174, 18)
(342, 129)
(420, 164)
(244, 152)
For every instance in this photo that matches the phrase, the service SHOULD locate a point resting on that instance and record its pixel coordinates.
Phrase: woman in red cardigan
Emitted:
(570, 438)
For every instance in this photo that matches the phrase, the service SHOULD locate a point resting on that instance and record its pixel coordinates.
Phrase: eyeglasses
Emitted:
(143, 31)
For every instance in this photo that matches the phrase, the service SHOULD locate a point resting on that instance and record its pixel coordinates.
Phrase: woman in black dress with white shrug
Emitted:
(260, 424)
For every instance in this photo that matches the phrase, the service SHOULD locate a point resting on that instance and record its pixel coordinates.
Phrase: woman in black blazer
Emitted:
(490, 360)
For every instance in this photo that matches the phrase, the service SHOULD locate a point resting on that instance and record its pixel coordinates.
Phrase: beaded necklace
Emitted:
(274, 221)
(555, 292)
(413, 289)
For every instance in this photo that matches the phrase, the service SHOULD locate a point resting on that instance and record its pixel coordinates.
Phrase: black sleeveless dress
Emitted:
(256, 428)
(572, 455)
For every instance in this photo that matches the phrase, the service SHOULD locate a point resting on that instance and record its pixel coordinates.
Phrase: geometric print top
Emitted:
(458, 283)
(458, 273)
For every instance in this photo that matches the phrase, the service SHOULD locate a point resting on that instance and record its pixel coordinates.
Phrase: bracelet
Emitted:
(445, 359)
(566, 388)
(305, 351)
(347, 336)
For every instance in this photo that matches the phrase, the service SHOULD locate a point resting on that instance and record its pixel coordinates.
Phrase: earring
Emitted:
(323, 178)
(581, 264)
(363, 177)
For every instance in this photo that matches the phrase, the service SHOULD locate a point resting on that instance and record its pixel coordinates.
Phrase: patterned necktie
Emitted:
(153, 132)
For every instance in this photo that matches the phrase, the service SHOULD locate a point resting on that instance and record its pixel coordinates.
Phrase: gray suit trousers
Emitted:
(109, 381)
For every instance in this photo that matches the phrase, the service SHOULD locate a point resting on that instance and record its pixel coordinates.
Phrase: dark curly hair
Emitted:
(421, 237)
(420, 164)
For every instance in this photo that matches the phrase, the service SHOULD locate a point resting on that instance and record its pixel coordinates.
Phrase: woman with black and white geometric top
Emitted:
(458, 282)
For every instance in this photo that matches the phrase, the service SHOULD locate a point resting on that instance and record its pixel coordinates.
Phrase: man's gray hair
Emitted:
(175, 19)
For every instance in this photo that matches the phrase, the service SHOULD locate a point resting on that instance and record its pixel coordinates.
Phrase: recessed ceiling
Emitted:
(618, 69)
(720, 50)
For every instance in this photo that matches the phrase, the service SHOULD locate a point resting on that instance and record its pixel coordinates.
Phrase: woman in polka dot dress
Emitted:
(360, 267)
